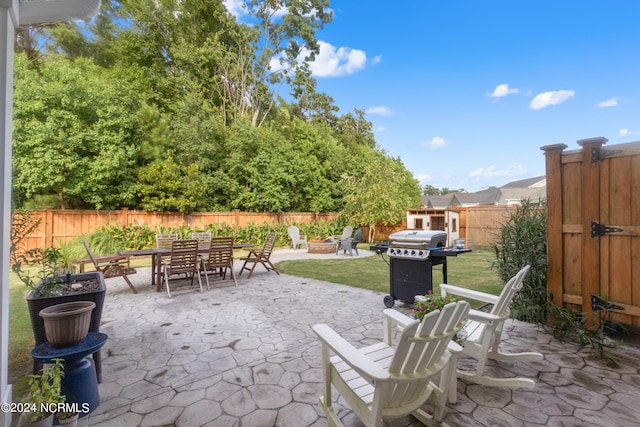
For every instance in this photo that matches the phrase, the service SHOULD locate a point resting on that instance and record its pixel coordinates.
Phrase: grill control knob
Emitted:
(420, 253)
(413, 253)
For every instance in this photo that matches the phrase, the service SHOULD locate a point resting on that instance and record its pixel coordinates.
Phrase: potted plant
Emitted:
(44, 396)
(50, 285)
(430, 302)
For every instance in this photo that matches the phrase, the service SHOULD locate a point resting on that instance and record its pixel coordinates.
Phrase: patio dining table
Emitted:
(156, 255)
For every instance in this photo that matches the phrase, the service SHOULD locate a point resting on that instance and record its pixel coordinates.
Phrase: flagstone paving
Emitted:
(246, 356)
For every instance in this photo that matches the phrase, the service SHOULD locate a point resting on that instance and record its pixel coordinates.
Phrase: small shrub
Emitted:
(523, 240)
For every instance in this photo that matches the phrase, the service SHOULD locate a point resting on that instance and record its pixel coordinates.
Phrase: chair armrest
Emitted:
(446, 289)
(251, 253)
(482, 317)
(107, 260)
(454, 347)
(394, 315)
(349, 354)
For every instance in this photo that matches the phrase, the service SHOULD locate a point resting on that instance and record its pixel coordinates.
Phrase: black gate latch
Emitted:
(598, 229)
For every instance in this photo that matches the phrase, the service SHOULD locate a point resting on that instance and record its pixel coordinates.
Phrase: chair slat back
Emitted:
(420, 352)
(269, 243)
(294, 233)
(221, 251)
(184, 256)
(92, 257)
(423, 343)
(346, 232)
(357, 238)
(513, 286)
(203, 237)
(164, 241)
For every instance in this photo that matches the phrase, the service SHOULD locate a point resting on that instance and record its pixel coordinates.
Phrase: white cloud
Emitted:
(380, 129)
(423, 176)
(336, 62)
(237, 8)
(380, 110)
(436, 142)
(627, 132)
(612, 102)
(234, 7)
(494, 171)
(376, 60)
(546, 99)
(503, 90)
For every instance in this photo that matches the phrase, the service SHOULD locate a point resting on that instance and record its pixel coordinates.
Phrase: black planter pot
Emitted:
(36, 303)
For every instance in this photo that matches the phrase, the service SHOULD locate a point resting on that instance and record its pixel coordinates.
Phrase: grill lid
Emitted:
(418, 239)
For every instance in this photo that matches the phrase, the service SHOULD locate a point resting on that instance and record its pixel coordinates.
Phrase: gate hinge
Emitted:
(600, 304)
(598, 229)
(599, 153)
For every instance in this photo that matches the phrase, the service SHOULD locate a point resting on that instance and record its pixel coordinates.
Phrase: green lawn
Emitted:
(470, 270)
(20, 337)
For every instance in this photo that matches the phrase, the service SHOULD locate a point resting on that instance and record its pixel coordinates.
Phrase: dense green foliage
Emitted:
(175, 106)
(523, 240)
(115, 237)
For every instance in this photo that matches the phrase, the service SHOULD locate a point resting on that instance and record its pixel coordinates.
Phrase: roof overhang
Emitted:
(40, 11)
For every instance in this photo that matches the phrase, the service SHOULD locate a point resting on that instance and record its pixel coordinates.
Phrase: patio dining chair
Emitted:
(203, 237)
(219, 259)
(484, 331)
(183, 259)
(260, 256)
(164, 240)
(112, 266)
(392, 379)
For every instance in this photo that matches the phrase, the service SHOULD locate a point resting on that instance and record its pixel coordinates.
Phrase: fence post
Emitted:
(124, 218)
(553, 160)
(48, 227)
(590, 211)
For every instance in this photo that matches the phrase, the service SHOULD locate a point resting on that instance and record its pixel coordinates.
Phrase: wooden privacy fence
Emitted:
(484, 223)
(64, 225)
(593, 201)
(479, 224)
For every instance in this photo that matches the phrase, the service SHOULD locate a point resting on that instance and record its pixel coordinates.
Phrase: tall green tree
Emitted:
(286, 37)
(355, 132)
(382, 194)
(74, 133)
(308, 104)
(171, 104)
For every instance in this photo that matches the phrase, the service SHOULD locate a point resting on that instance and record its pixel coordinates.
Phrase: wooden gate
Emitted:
(593, 200)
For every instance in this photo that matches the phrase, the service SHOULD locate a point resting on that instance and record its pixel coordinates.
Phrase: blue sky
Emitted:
(466, 92)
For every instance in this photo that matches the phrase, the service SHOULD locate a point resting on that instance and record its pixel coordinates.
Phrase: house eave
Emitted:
(39, 11)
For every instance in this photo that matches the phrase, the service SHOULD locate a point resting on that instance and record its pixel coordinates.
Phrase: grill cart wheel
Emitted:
(388, 301)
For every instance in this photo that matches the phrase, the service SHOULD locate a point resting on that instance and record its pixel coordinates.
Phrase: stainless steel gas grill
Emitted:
(412, 255)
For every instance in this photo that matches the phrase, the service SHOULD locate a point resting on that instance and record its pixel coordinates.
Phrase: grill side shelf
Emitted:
(448, 252)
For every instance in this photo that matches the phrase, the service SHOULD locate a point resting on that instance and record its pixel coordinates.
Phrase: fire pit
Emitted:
(322, 246)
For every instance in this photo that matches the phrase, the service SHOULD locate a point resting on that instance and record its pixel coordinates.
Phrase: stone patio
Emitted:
(246, 356)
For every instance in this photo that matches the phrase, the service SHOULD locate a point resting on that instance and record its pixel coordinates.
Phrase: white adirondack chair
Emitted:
(484, 332)
(297, 239)
(389, 380)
